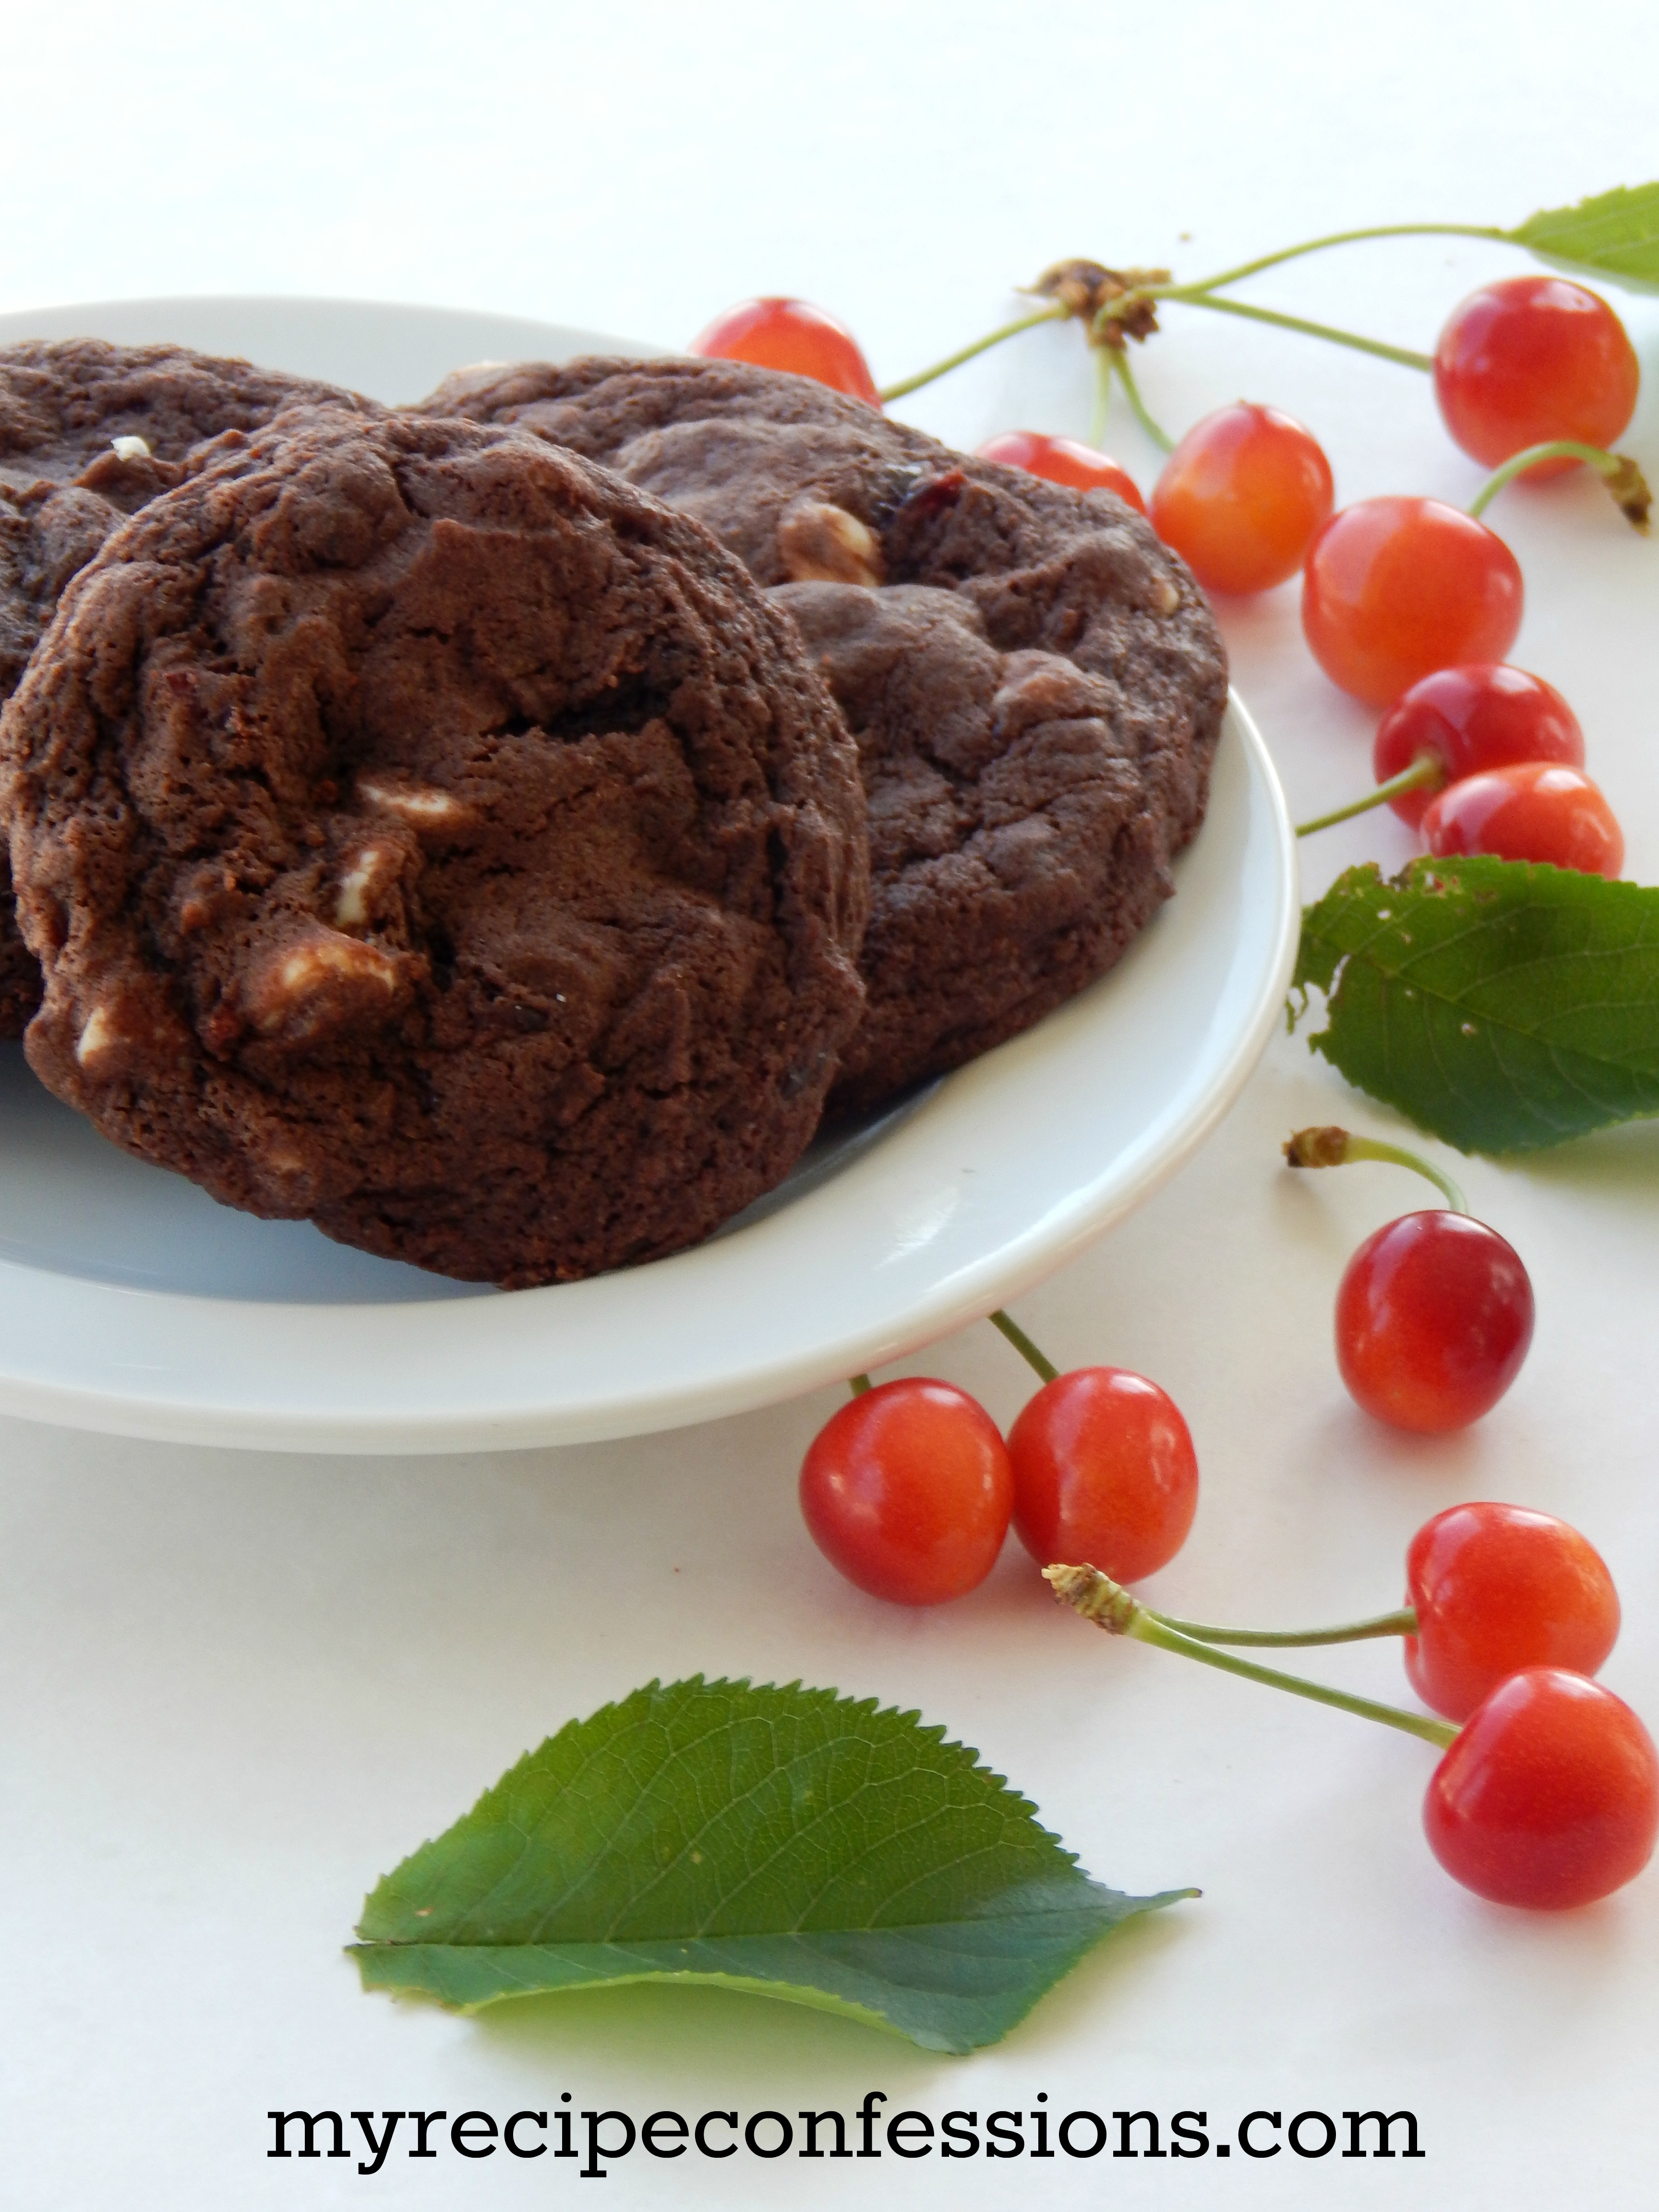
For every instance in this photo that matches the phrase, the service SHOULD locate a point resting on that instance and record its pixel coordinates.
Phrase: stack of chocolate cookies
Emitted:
(497, 829)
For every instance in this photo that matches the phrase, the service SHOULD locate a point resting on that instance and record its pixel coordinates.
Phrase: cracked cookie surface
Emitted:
(1034, 681)
(89, 432)
(424, 832)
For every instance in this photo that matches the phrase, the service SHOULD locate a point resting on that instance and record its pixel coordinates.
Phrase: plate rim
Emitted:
(1012, 1267)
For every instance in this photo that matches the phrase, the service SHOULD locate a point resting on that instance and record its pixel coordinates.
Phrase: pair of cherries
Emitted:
(1490, 759)
(1546, 1794)
(909, 1489)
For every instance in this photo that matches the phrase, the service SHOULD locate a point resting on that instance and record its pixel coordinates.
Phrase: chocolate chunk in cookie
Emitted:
(426, 832)
(1035, 682)
(89, 432)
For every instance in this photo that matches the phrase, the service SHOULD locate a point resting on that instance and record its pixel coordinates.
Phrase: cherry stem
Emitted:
(1102, 395)
(1403, 355)
(1334, 238)
(1333, 1147)
(858, 1384)
(1426, 773)
(1119, 362)
(1023, 1344)
(1097, 1597)
(1402, 1623)
(1057, 314)
(1625, 481)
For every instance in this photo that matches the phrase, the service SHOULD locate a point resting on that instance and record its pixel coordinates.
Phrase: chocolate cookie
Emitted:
(88, 431)
(1035, 682)
(426, 832)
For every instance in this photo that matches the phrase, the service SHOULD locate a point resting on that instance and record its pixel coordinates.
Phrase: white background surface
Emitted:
(234, 1689)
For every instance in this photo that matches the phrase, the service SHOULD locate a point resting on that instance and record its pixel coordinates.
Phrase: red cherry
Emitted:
(1531, 359)
(1242, 496)
(1105, 1472)
(907, 1490)
(1394, 588)
(1433, 1318)
(1549, 1795)
(792, 334)
(1062, 461)
(1530, 810)
(1482, 716)
(1497, 1587)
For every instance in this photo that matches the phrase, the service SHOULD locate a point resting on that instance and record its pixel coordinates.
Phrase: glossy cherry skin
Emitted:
(1486, 716)
(1105, 1473)
(790, 335)
(1394, 588)
(1498, 1588)
(1529, 810)
(907, 1490)
(1242, 497)
(1433, 1318)
(1549, 1795)
(1062, 461)
(1533, 358)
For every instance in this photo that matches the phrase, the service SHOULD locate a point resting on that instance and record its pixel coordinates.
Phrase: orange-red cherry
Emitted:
(1549, 1797)
(1104, 1473)
(1530, 359)
(1394, 588)
(1529, 810)
(1242, 497)
(1498, 1588)
(792, 334)
(1433, 1318)
(1062, 461)
(908, 1491)
(1486, 716)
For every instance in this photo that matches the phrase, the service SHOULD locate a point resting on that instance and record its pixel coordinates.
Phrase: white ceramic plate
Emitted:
(130, 1303)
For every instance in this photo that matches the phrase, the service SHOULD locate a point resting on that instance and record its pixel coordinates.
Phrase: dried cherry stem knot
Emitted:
(1627, 485)
(1097, 1597)
(1333, 1147)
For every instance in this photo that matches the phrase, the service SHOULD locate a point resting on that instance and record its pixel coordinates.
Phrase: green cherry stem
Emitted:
(1426, 773)
(1056, 313)
(1023, 1344)
(1102, 395)
(1626, 484)
(1402, 1623)
(1403, 355)
(858, 1384)
(1337, 238)
(1119, 362)
(1099, 1599)
(1331, 1147)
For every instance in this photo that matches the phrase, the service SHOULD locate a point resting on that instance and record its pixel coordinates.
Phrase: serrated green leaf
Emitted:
(789, 1842)
(1615, 236)
(1501, 1005)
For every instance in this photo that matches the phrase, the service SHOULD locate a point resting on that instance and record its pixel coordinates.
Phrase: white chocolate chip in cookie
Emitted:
(1166, 595)
(368, 864)
(322, 982)
(819, 543)
(98, 1042)
(129, 448)
(422, 805)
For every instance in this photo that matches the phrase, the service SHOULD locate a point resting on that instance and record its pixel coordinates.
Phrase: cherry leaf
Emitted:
(789, 1842)
(1500, 1005)
(1614, 236)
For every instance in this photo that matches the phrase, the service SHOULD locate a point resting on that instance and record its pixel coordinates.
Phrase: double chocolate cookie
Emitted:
(89, 432)
(426, 832)
(1034, 681)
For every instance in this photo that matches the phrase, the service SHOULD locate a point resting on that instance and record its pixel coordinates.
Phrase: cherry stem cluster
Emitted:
(1105, 331)
(1097, 1597)
(1426, 773)
(1333, 1147)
